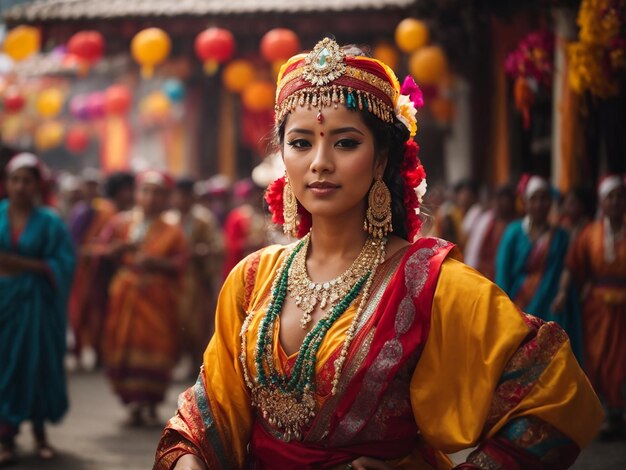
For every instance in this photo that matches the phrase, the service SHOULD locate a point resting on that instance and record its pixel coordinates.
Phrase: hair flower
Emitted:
(406, 113)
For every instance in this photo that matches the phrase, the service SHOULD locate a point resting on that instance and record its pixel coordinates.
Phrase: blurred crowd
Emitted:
(139, 261)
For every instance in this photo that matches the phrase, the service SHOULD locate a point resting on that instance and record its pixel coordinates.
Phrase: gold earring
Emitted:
(378, 216)
(290, 210)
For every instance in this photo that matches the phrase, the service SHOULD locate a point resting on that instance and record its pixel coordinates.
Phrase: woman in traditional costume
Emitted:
(597, 262)
(36, 268)
(141, 330)
(352, 347)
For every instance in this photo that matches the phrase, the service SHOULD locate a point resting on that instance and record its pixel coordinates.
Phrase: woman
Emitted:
(530, 261)
(597, 262)
(329, 353)
(140, 342)
(36, 268)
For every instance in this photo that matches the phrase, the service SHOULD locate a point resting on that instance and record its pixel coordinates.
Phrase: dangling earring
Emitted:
(378, 217)
(290, 210)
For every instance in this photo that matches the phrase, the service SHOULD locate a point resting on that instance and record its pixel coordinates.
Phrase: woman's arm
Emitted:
(12, 263)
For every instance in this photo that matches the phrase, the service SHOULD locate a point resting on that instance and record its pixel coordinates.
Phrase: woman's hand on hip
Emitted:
(366, 463)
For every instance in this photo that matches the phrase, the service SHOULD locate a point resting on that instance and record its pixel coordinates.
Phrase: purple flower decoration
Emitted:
(413, 91)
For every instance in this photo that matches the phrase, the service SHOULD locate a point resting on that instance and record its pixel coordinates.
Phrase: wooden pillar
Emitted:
(227, 136)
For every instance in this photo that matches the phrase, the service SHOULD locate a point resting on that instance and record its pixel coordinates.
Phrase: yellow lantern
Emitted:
(48, 135)
(22, 42)
(49, 103)
(155, 106)
(429, 65)
(259, 96)
(237, 75)
(411, 34)
(149, 48)
(386, 53)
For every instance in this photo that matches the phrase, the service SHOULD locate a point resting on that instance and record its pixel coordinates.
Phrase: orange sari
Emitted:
(141, 340)
(604, 311)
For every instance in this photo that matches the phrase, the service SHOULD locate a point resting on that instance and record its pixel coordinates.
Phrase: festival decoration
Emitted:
(237, 75)
(155, 107)
(279, 44)
(259, 96)
(118, 99)
(533, 58)
(174, 90)
(524, 99)
(22, 42)
(77, 139)
(149, 48)
(214, 46)
(87, 47)
(388, 54)
(442, 109)
(598, 58)
(48, 135)
(96, 105)
(429, 65)
(49, 103)
(13, 100)
(411, 35)
(79, 108)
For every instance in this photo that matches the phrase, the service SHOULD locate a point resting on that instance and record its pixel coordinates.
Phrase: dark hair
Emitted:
(468, 184)
(587, 199)
(116, 182)
(185, 185)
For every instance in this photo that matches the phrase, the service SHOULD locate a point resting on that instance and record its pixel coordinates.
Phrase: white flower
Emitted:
(420, 190)
(406, 113)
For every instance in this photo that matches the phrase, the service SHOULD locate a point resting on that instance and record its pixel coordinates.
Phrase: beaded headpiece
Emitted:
(327, 77)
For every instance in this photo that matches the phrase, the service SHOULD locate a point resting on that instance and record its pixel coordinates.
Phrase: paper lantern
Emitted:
(49, 103)
(237, 75)
(259, 96)
(13, 100)
(117, 99)
(388, 54)
(96, 105)
(22, 42)
(77, 139)
(149, 48)
(87, 46)
(78, 107)
(428, 65)
(155, 107)
(48, 135)
(214, 46)
(174, 90)
(279, 44)
(411, 34)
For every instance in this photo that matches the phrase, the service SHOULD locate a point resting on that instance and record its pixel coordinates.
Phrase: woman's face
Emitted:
(330, 164)
(23, 186)
(538, 206)
(614, 204)
(151, 198)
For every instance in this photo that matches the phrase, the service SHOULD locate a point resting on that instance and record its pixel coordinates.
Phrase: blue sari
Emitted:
(33, 320)
(530, 272)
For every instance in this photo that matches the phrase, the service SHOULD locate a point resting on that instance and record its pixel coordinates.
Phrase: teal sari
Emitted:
(33, 320)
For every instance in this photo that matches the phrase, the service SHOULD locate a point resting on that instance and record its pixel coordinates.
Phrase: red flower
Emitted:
(274, 199)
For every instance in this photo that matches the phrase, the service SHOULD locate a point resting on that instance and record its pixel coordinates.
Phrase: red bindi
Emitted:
(321, 134)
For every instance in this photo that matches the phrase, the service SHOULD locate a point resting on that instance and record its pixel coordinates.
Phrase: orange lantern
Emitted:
(48, 135)
(259, 96)
(214, 46)
(149, 48)
(237, 75)
(77, 139)
(386, 53)
(49, 103)
(22, 42)
(429, 65)
(279, 44)
(117, 99)
(411, 34)
(155, 107)
(87, 46)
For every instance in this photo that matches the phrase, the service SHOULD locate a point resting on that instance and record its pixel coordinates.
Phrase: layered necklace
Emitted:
(288, 401)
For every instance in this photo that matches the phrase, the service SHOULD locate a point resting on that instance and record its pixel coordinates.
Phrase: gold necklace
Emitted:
(308, 294)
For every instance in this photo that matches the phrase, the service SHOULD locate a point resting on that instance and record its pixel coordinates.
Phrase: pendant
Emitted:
(305, 320)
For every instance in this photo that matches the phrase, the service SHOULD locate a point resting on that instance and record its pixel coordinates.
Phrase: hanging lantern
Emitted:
(411, 34)
(259, 96)
(22, 42)
(429, 65)
(49, 103)
(79, 108)
(96, 105)
(387, 54)
(77, 139)
(87, 46)
(48, 135)
(117, 99)
(214, 46)
(174, 90)
(237, 75)
(13, 100)
(149, 48)
(279, 45)
(155, 107)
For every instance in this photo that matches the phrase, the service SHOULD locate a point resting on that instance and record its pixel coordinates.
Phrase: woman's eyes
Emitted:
(345, 143)
(299, 143)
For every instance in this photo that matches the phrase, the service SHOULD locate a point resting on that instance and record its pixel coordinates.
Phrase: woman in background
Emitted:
(36, 268)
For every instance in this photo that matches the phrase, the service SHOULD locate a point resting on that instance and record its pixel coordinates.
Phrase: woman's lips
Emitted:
(322, 188)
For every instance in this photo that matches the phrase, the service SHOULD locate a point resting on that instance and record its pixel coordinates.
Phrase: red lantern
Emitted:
(13, 100)
(214, 46)
(77, 139)
(88, 46)
(117, 99)
(279, 44)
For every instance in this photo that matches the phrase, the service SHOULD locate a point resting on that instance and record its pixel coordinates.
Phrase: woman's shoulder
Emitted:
(261, 260)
